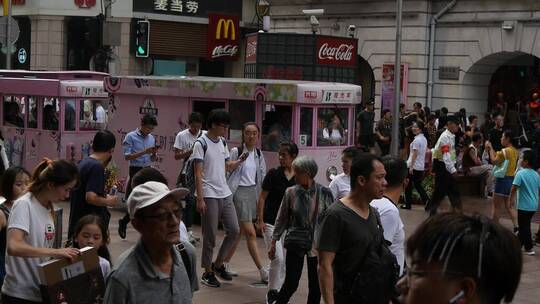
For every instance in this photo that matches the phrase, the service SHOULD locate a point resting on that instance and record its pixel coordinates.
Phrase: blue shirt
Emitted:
(136, 142)
(528, 182)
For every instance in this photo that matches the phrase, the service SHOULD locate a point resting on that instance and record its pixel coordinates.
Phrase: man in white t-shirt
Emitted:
(341, 183)
(101, 115)
(396, 177)
(183, 147)
(214, 198)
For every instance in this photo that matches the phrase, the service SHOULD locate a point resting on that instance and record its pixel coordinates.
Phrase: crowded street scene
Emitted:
(269, 152)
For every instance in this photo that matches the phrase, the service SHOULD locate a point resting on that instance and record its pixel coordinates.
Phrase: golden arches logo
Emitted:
(226, 24)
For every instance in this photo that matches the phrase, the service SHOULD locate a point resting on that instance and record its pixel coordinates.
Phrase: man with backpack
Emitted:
(355, 264)
(183, 147)
(207, 167)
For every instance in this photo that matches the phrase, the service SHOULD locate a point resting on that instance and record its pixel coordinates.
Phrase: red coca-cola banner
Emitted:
(223, 37)
(251, 49)
(336, 51)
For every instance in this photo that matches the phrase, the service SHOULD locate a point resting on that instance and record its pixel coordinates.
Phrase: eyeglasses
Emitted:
(165, 216)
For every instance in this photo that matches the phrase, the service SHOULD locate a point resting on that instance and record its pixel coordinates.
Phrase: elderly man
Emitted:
(155, 269)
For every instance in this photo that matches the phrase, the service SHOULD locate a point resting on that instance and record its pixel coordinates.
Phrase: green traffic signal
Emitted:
(141, 51)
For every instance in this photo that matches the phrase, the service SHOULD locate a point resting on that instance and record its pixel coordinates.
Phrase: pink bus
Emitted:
(318, 116)
(39, 114)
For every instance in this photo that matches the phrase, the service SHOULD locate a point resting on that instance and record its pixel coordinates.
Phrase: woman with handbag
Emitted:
(505, 162)
(301, 206)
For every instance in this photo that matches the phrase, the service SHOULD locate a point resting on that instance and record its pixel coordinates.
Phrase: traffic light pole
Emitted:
(394, 143)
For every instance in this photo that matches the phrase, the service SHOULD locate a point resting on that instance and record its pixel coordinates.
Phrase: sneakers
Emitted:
(264, 275)
(516, 230)
(529, 252)
(221, 272)
(122, 226)
(229, 270)
(405, 206)
(209, 279)
(193, 239)
(271, 296)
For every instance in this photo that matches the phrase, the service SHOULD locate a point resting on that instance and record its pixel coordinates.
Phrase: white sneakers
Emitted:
(229, 270)
(264, 274)
(529, 252)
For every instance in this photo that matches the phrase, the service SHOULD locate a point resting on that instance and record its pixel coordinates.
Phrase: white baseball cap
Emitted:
(150, 193)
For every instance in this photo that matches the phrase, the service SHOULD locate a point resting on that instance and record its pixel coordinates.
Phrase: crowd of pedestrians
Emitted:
(350, 234)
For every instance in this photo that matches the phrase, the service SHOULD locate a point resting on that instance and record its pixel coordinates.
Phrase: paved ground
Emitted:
(239, 292)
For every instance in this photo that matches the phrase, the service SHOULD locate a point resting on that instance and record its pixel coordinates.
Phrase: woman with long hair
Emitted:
(245, 182)
(31, 230)
(503, 185)
(416, 165)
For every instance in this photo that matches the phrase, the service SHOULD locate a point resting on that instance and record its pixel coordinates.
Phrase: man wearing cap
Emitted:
(365, 121)
(444, 166)
(154, 269)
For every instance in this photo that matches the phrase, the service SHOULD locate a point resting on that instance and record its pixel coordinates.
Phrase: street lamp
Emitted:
(263, 14)
(394, 144)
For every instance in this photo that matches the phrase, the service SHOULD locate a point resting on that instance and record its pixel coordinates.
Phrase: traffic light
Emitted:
(142, 38)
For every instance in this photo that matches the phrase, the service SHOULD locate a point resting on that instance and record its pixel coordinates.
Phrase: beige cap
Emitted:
(150, 193)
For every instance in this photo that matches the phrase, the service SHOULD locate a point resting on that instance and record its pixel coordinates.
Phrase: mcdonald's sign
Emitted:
(223, 37)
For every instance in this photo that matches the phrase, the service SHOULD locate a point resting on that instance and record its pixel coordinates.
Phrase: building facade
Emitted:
(479, 48)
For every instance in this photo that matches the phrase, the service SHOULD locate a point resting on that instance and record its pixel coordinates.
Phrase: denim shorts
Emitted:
(503, 185)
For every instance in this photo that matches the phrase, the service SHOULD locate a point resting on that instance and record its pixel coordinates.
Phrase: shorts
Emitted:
(245, 203)
(503, 185)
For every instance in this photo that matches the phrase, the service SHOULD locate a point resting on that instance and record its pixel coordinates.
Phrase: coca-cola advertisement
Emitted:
(223, 37)
(251, 49)
(336, 51)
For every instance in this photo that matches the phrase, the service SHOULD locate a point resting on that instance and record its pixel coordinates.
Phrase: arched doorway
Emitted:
(366, 79)
(516, 74)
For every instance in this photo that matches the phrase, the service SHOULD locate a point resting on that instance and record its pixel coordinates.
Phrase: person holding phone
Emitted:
(140, 150)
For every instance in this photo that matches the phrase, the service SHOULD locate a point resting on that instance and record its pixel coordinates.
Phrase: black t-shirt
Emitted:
(343, 231)
(275, 183)
(91, 179)
(366, 120)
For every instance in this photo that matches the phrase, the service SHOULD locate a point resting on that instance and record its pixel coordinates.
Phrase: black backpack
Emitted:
(376, 277)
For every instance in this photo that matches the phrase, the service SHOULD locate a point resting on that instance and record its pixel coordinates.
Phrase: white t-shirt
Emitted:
(214, 179)
(248, 175)
(184, 140)
(22, 279)
(101, 116)
(420, 144)
(340, 186)
(105, 267)
(334, 135)
(393, 228)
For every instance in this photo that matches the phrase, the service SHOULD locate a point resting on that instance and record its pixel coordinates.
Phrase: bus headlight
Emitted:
(331, 172)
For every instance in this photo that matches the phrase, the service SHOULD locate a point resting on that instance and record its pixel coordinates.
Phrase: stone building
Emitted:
(480, 48)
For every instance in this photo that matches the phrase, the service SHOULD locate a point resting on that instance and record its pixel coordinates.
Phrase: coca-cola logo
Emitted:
(224, 51)
(251, 49)
(342, 52)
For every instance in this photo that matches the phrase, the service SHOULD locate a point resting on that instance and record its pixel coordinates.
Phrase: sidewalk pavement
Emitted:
(239, 290)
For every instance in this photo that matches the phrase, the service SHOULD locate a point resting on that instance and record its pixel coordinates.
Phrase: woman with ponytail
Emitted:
(31, 230)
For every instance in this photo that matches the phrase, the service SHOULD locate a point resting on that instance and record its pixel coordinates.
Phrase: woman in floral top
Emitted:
(301, 206)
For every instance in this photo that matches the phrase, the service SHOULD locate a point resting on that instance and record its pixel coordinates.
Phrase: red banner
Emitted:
(14, 2)
(223, 37)
(336, 51)
(251, 49)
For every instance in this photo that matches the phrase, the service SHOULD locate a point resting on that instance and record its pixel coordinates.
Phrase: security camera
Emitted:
(313, 21)
(313, 12)
(351, 30)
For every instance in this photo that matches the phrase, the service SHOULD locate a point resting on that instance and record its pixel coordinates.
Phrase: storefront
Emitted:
(182, 32)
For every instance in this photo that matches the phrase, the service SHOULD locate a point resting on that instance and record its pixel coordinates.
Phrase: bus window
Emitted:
(331, 126)
(13, 116)
(276, 126)
(241, 112)
(50, 114)
(306, 127)
(69, 116)
(32, 112)
(93, 115)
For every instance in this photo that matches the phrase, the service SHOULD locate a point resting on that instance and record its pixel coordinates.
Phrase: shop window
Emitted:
(50, 112)
(241, 111)
(32, 112)
(332, 126)
(93, 114)
(276, 126)
(69, 116)
(306, 127)
(13, 111)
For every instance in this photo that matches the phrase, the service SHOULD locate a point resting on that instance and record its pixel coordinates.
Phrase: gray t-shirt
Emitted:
(135, 280)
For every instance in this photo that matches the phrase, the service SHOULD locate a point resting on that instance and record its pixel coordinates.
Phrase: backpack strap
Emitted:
(185, 259)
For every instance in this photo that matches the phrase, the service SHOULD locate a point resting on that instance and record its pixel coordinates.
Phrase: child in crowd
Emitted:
(14, 184)
(526, 184)
(91, 232)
